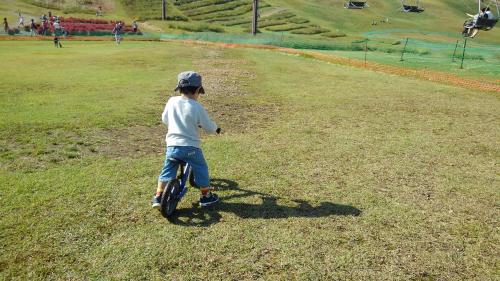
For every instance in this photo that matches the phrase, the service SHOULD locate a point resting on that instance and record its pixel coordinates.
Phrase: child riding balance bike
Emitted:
(184, 115)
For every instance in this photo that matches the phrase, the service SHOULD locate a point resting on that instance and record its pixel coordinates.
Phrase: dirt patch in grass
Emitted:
(229, 102)
(55, 146)
(228, 99)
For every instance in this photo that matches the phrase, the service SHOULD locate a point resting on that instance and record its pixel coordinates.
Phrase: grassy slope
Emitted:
(81, 149)
(442, 19)
(441, 16)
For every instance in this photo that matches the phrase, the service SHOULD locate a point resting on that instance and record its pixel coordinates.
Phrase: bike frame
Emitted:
(184, 179)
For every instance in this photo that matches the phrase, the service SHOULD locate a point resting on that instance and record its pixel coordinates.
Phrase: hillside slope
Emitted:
(441, 18)
(315, 17)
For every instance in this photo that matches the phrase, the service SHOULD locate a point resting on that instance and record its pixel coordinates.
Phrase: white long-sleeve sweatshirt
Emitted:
(183, 117)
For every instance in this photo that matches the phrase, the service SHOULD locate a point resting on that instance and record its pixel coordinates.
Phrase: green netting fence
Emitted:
(480, 59)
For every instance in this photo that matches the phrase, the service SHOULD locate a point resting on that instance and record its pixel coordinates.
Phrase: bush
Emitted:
(198, 27)
(282, 15)
(13, 31)
(334, 34)
(217, 8)
(267, 23)
(234, 12)
(236, 22)
(198, 4)
(298, 20)
(286, 27)
(310, 30)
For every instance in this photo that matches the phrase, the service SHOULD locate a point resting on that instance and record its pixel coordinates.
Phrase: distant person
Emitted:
(21, 20)
(98, 13)
(184, 115)
(57, 28)
(135, 26)
(488, 14)
(45, 27)
(5, 25)
(57, 42)
(116, 31)
(50, 14)
(32, 27)
(471, 29)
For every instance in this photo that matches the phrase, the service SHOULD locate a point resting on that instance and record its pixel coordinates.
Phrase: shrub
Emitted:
(202, 3)
(267, 23)
(12, 31)
(181, 2)
(217, 8)
(236, 22)
(235, 12)
(286, 27)
(359, 41)
(310, 30)
(334, 34)
(198, 27)
(282, 15)
(298, 20)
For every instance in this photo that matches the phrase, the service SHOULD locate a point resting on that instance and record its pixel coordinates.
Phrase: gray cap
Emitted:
(189, 79)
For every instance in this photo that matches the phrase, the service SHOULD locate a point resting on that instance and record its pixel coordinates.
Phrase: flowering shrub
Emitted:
(77, 26)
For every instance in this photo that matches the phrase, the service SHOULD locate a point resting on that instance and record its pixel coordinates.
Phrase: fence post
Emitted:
(366, 50)
(404, 49)
(163, 10)
(454, 52)
(463, 54)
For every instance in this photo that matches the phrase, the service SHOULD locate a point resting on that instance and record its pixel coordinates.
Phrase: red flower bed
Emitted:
(77, 20)
(77, 26)
(88, 26)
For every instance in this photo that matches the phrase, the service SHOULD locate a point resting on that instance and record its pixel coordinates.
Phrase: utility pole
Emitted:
(163, 9)
(255, 16)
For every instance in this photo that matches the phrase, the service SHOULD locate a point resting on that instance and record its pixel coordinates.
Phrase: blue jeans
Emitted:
(188, 154)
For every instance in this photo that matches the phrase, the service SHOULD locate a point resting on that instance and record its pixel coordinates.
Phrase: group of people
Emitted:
(471, 28)
(117, 30)
(46, 22)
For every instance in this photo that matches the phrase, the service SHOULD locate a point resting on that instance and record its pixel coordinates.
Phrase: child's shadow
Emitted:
(268, 209)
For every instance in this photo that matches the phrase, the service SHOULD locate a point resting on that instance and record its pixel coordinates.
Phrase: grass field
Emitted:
(324, 171)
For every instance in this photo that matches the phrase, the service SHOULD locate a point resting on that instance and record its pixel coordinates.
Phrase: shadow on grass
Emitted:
(268, 209)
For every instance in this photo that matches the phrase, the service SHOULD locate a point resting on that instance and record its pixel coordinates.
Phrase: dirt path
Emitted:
(428, 75)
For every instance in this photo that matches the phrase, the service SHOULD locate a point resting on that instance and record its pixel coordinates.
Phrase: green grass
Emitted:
(480, 61)
(320, 178)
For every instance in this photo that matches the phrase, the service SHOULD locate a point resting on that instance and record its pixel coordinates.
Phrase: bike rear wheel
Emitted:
(170, 198)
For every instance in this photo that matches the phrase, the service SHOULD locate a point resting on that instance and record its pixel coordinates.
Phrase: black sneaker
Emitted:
(209, 199)
(156, 202)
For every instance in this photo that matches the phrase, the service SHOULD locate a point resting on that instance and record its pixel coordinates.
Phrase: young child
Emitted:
(57, 41)
(183, 115)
